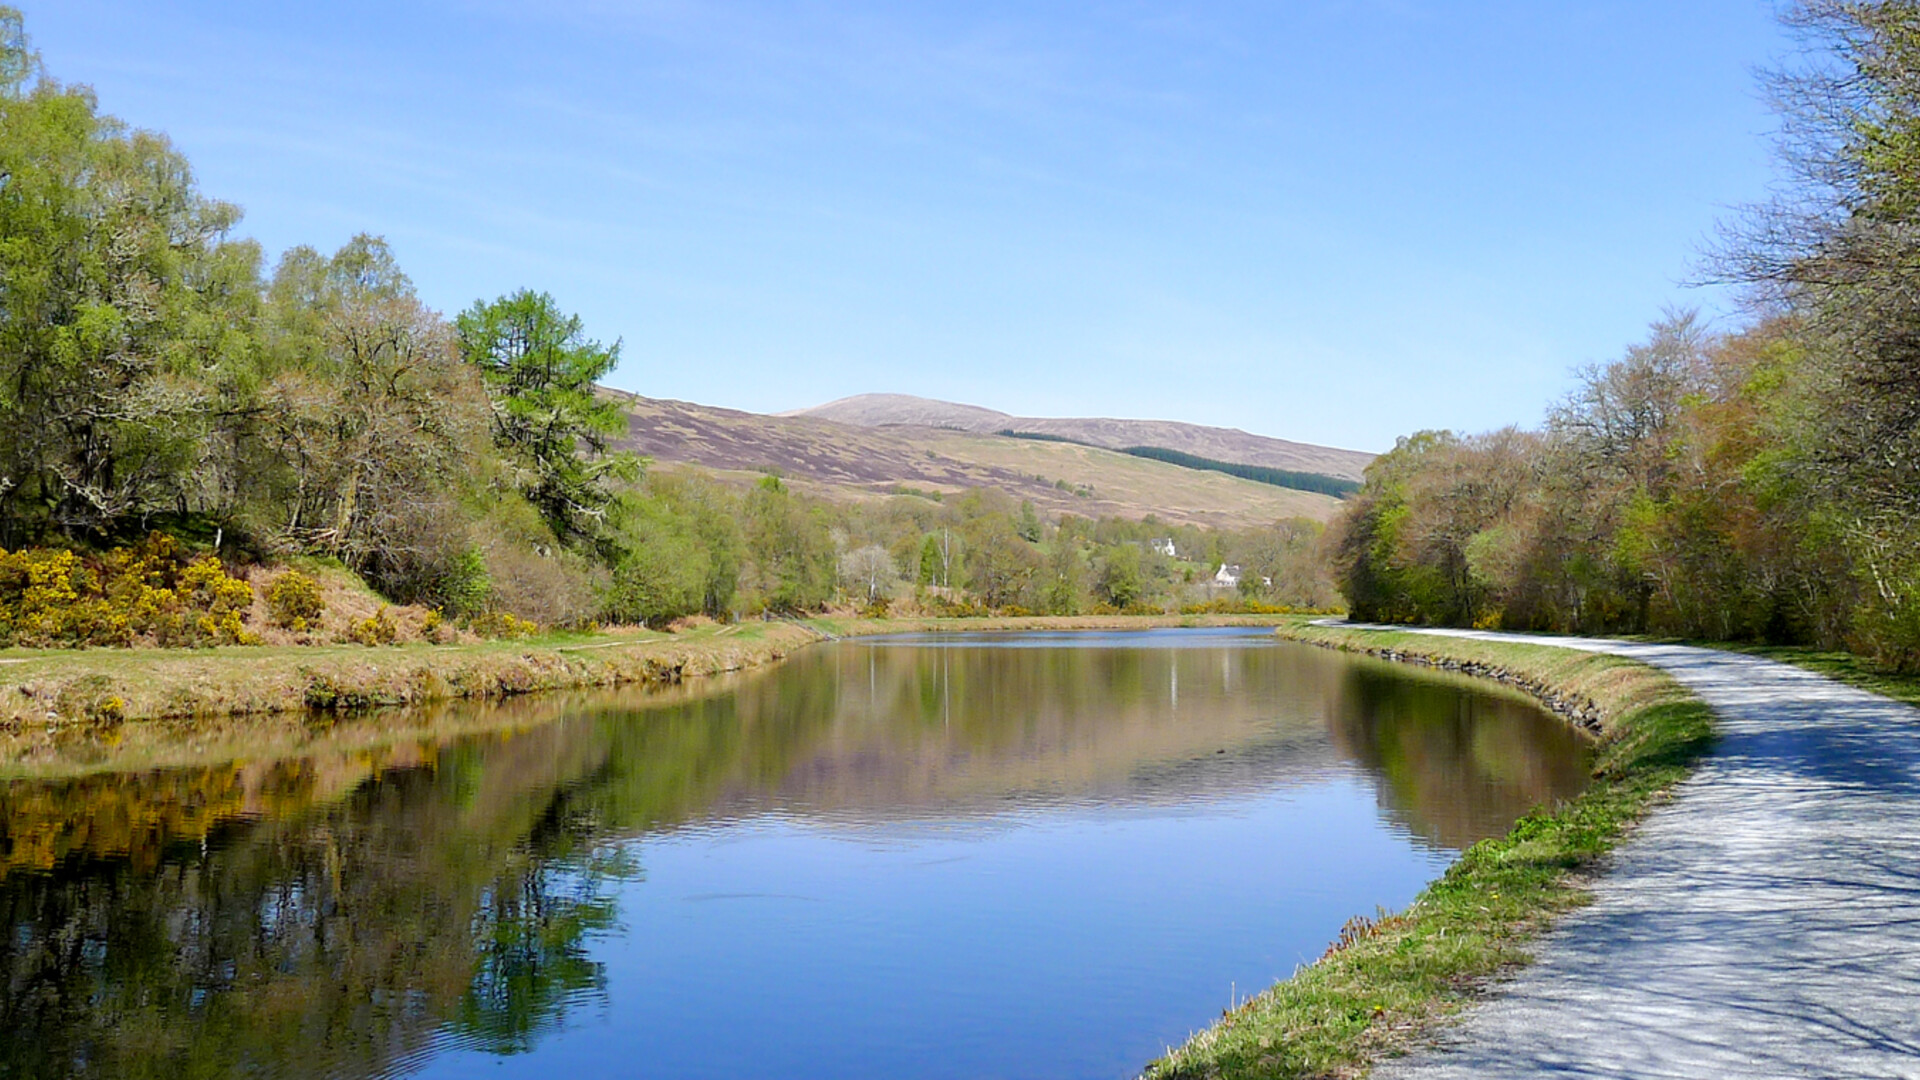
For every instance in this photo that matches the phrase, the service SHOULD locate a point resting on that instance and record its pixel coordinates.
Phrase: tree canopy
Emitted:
(542, 374)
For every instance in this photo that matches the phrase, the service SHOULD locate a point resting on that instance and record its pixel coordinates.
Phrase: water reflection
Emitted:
(378, 904)
(1455, 767)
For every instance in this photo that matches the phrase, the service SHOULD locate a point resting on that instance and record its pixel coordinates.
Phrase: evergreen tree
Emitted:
(541, 372)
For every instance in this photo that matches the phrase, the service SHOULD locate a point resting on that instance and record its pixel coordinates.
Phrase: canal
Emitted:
(1032, 855)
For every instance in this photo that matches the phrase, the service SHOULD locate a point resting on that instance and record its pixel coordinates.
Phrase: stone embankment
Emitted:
(1578, 710)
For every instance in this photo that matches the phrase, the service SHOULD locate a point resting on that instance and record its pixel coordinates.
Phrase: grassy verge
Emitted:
(1389, 982)
(52, 688)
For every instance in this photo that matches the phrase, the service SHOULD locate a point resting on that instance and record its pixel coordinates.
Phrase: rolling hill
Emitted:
(936, 456)
(1220, 444)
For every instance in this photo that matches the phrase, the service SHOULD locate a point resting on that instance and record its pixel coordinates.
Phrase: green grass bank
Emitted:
(1389, 982)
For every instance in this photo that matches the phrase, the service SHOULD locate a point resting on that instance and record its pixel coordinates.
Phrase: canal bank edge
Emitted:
(72, 689)
(1391, 982)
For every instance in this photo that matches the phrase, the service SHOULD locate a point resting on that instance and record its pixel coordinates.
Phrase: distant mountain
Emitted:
(935, 456)
(881, 410)
(1219, 444)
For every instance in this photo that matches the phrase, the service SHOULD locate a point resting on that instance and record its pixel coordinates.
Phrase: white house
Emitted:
(1227, 577)
(1164, 546)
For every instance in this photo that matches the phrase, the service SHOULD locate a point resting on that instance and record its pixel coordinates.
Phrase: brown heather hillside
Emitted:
(850, 462)
(1221, 444)
(881, 410)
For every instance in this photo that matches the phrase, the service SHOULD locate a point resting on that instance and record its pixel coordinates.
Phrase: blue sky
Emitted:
(1329, 221)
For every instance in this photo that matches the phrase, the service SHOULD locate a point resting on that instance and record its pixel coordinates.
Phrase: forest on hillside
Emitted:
(1761, 483)
(175, 415)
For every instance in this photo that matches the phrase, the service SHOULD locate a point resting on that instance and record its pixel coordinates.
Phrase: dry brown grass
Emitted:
(846, 463)
(348, 601)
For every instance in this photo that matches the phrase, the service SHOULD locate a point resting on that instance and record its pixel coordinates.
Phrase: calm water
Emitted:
(1020, 856)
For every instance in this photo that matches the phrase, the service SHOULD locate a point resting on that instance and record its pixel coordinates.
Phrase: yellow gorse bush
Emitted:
(376, 629)
(295, 600)
(151, 592)
(502, 624)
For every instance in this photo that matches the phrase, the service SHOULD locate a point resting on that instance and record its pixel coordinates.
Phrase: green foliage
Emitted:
(1670, 494)
(929, 565)
(1380, 580)
(1837, 252)
(712, 517)
(1117, 579)
(791, 550)
(541, 372)
(1041, 436)
(665, 567)
(121, 321)
(1063, 590)
(370, 432)
(1001, 567)
(1029, 524)
(466, 588)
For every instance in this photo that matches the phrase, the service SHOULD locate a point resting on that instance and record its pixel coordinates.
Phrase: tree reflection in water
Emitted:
(343, 912)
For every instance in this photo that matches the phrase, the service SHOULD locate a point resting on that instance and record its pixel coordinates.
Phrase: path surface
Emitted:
(1764, 923)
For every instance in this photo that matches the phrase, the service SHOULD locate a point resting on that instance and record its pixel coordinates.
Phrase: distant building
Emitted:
(1227, 577)
(1164, 546)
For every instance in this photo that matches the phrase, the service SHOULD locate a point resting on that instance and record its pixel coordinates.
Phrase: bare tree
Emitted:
(870, 571)
(1625, 415)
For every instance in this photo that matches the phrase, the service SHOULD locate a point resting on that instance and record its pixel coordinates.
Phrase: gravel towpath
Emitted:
(1763, 923)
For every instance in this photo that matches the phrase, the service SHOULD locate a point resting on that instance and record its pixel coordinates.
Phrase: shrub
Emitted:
(149, 592)
(962, 606)
(294, 598)
(1237, 606)
(467, 586)
(502, 624)
(378, 628)
(552, 589)
(324, 693)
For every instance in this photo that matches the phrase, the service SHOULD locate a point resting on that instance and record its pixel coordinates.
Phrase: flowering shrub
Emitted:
(294, 599)
(502, 624)
(147, 593)
(376, 629)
